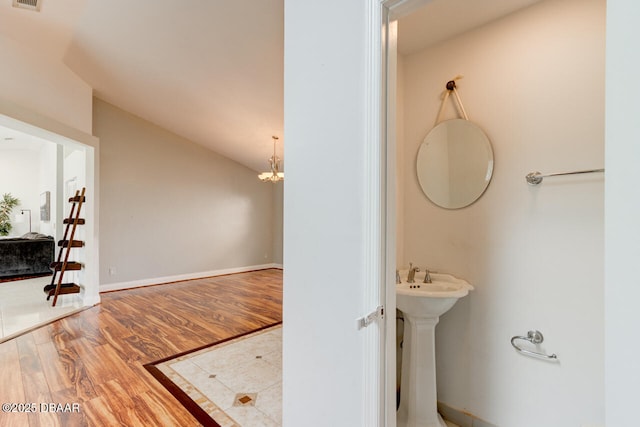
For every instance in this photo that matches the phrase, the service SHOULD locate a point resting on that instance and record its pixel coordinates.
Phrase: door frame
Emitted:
(385, 45)
(21, 119)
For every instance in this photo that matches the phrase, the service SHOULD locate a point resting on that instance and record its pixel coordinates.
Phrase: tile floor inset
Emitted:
(24, 305)
(245, 399)
(238, 383)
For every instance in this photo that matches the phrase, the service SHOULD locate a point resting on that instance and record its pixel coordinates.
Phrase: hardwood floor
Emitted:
(95, 358)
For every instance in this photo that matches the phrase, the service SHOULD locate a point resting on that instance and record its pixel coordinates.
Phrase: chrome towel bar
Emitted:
(535, 178)
(534, 337)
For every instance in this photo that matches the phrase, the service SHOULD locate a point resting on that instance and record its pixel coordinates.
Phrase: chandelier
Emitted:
(274, 175)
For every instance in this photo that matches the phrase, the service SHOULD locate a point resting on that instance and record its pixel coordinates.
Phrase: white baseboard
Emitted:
(189, 276)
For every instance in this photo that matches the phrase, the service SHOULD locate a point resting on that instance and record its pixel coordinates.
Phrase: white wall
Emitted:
(19, 176)
(622, 203)
(75, 169)
(170, 207)
(48, 178)
(534, 81)
(277, 227)
(27, 169)
(325, 250)
(400, 160)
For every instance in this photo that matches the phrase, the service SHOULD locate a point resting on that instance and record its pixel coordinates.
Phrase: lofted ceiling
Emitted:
(210, 71)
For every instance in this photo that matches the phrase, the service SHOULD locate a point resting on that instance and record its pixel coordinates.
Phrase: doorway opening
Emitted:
(507, 64)
(39, 169)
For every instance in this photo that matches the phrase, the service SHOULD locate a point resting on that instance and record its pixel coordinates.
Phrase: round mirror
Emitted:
(455, 164)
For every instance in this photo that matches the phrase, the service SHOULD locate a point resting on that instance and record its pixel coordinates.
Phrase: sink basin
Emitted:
(422, 305)
(430, 300)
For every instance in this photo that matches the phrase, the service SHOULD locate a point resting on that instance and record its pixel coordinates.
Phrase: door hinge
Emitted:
(365, 321)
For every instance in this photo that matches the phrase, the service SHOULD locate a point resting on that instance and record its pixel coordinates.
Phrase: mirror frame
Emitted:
(481, 183)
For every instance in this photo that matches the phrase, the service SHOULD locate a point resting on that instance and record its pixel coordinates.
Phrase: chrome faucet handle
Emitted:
(427, 276)
(412, 273)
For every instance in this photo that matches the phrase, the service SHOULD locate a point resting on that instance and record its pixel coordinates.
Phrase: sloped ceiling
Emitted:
(439, 20)
(208, 70)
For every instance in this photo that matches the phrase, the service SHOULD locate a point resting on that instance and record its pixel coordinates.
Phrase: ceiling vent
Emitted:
(28, 4)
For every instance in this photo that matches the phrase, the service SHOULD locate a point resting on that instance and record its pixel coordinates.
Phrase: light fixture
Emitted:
(275, 175)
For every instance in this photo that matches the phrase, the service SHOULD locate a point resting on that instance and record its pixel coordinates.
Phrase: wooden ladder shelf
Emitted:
(62, 263)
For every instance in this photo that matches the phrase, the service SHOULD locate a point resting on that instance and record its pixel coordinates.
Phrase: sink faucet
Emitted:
(427, 276)
(412, 273)
(398, 280)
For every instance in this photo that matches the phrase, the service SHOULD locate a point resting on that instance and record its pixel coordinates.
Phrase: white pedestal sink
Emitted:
(422, 305)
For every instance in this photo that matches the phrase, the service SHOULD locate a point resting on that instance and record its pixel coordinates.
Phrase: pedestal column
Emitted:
(418, 395)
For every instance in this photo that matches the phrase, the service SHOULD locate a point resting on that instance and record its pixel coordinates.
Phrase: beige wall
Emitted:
(44, 86)
(170, 207)
(42, 97)
(534, 81)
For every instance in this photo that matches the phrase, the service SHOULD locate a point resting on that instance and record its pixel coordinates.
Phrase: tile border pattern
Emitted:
(205, 411)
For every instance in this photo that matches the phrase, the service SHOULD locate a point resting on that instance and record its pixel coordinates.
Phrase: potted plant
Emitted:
(7, 203)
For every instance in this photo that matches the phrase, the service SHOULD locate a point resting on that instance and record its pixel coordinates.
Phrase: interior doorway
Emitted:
(41, 167)
(471, 53)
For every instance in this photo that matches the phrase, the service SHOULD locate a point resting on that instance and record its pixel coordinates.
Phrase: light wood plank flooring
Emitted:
(95, 358)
